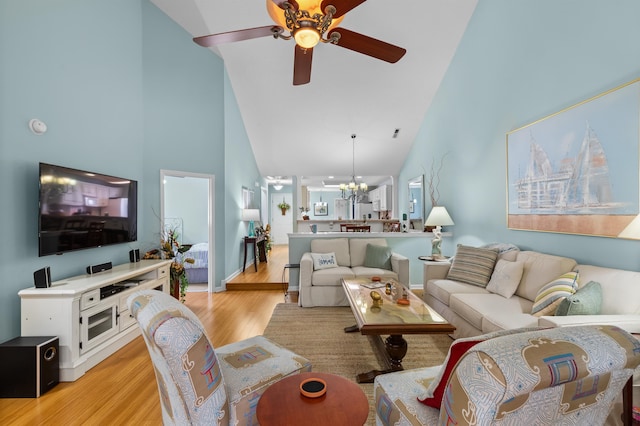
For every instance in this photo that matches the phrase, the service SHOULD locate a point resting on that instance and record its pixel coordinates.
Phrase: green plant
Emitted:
(173, 249)
(284, 206)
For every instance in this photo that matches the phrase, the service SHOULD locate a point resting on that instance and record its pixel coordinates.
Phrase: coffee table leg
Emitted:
(393, 349)
(396, 349)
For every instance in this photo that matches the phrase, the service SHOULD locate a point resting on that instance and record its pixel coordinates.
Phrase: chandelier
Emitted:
(353, 189)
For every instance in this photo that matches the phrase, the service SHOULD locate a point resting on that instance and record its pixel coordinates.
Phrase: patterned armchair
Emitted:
(566, 375)
(198, 385)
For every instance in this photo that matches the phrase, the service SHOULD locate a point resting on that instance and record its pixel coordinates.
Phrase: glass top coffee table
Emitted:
(392, 319)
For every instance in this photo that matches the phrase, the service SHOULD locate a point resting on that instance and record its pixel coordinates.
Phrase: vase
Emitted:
(284, 211)
(174, 288)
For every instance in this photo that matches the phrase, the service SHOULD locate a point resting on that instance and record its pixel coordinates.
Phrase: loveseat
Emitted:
(338, 258)
(476, 309)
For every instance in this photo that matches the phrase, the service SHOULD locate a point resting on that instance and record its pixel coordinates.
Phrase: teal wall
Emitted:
(517, 62)
(124, 91)
(242, 172)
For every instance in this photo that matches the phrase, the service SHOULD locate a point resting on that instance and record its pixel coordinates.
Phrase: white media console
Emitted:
(89, 313)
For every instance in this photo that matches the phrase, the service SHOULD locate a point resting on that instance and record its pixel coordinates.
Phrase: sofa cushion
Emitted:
(331, 277)
(505, 278)
(587, 300)
(339, 246)
(358, 248)
(630, 323)
(473, 265)
(550, 295)
(443, 289)
(539, 269)
(475, 308)
(377, 257)
(324, 261)
(620, 288)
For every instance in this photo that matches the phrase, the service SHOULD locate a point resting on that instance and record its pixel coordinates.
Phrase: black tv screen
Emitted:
(80, 210)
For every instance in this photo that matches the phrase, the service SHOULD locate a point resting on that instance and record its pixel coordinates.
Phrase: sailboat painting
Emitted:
(577, 171)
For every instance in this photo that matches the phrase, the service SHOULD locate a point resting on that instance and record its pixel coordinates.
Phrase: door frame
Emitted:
(211, 216)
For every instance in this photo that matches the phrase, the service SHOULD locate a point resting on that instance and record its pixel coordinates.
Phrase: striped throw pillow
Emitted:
(473, 265)
(553, 293)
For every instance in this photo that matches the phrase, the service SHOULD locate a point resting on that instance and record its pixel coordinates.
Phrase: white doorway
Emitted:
(188, 200)
(281, 225)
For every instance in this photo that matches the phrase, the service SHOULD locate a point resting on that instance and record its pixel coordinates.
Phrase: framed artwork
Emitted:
(576, 171)
(320, 209)
(247, 198)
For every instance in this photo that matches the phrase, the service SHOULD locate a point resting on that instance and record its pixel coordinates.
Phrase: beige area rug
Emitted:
(318, 334)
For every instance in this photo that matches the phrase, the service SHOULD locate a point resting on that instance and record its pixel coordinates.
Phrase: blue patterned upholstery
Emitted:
(567, 375)
(200, 385)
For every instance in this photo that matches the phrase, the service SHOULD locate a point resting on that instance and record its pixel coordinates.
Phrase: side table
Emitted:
(289, 266)
(344, 403)
(256, 242)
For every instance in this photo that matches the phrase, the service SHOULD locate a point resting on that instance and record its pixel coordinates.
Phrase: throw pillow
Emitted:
(505, 278)
(473, 265)
(587, 300)
(324, 261)
(377, 257)
(456, 351)
(553, 293)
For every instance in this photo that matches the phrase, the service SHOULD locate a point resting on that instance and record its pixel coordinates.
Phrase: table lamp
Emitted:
(632, 230)
(251, 215)
(438, 217)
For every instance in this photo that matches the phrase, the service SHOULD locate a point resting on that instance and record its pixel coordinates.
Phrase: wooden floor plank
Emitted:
(122, 389)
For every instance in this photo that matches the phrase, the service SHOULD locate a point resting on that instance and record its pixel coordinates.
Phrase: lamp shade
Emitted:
(250, 214)
(632, 230)
(439, 216)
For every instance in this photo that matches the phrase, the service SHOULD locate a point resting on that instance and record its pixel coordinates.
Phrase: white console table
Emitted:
(89, 313)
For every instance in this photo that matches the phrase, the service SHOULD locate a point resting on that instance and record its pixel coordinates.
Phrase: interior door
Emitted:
(281, 225)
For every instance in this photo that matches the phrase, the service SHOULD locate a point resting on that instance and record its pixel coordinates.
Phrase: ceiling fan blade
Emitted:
(368, 45)
(302, 65)
(342, 6)
(231, 36)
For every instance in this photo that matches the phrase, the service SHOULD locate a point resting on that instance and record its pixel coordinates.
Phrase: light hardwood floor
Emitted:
(122, 390)
(269, 274)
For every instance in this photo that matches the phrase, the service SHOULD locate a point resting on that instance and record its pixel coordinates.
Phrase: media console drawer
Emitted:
(89, 299)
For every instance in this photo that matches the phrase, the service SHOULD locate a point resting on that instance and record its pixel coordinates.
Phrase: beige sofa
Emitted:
(474, 310)
(323, 287)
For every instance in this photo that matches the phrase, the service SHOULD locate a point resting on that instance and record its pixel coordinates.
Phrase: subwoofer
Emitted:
(29, 366)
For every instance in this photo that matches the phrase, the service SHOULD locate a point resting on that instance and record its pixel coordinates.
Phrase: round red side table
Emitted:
(344, 403)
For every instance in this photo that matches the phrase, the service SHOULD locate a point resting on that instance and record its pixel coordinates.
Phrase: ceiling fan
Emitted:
(307, 21)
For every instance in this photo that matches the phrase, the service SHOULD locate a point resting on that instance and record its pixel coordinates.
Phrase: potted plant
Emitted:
(283, 206)
(171, 248)
(304, 211)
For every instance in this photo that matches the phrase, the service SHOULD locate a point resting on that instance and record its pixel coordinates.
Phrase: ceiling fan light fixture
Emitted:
(306, 37)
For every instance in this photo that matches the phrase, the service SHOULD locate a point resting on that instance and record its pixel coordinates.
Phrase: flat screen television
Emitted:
(80, 210)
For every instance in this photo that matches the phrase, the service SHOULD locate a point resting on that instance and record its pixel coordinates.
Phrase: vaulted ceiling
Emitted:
(306, 130)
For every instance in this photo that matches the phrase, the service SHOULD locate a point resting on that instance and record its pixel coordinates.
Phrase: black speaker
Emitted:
(42, 277)
(134, 255)
(94, 269)
(30, 366)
